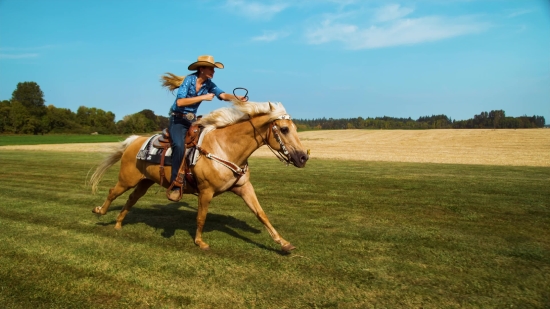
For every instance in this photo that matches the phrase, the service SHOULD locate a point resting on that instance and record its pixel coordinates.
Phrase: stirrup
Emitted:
(169, 191)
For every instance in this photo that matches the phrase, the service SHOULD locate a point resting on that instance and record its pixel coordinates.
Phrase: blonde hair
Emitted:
(171, 81)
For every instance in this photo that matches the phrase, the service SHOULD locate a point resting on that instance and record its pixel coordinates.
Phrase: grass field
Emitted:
(368, 235)
(57, 139)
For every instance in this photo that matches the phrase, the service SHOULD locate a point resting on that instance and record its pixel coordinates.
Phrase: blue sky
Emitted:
(320, 58)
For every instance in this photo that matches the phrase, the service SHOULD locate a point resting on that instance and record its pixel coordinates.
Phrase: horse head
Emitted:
(282, 136)
(276, 129)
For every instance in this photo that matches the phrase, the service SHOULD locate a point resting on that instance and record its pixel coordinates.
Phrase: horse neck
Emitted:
(239, 141)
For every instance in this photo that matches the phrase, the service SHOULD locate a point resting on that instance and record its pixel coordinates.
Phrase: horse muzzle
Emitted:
(299, 158)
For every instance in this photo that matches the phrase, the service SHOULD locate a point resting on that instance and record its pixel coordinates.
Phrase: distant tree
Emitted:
(149, 114)
(435, 121)
(481, 120)
(540, 121)
(18, 117)
(154, 119)
(496, 116)
(5, 123)
(34, 126)
(31, 96)
(60, 120)
(135, 123)
(164, 122)
(157, 123)
(96, 120)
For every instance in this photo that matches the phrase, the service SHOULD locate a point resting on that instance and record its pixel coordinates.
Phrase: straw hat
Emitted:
(205, 61)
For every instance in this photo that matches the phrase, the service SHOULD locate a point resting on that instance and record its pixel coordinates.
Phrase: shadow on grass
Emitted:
(180, 216)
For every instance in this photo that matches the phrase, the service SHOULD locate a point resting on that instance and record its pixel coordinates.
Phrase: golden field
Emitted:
(526, 147)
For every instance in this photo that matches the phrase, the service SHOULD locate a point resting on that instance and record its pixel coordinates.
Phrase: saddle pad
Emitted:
(149, 153)
(152, 154)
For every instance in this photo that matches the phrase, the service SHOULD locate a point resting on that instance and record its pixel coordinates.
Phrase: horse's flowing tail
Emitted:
(110, 161)
(171, 81)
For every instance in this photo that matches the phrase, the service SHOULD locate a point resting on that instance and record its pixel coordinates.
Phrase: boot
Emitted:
(174, 195)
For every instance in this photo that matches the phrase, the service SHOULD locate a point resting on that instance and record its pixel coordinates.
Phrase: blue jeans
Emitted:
(178, 129)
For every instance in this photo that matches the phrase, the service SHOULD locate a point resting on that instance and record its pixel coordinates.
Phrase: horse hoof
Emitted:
(288, 247)
(203, 246)
(97, 210)
(118, 227)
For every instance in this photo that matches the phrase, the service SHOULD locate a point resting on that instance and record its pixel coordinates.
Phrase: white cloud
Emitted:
(521, 28)
(391, 12)
(30, 52)
(255, 10)
(394, 31)
(331, 32)
(29, 49)
(270, 36)
(519, 12)
(17, 56)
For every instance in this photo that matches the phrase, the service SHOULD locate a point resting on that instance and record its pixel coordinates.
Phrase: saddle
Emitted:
(163, 142)
(185, 176)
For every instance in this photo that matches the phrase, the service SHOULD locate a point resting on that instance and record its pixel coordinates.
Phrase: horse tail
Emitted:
(110, 161)
(171, 81)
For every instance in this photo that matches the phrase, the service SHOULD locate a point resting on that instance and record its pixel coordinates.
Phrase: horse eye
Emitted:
(284, 130)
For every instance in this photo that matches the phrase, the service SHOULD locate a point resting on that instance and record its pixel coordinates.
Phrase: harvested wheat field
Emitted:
(527, 147)
(492, 147)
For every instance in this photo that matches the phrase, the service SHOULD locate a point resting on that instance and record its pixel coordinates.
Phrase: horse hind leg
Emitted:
(114, 192)
(138, 192)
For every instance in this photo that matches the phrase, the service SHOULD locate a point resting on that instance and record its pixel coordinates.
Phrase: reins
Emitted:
(230, 165)
(239, 171)
(245, 95)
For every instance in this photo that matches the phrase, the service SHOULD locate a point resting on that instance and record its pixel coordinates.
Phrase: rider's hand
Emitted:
(208, 96)
(243, 99)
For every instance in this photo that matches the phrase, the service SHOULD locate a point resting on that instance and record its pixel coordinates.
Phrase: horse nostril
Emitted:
(304, 158)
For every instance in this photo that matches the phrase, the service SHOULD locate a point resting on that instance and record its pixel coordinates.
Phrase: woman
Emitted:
(194, 89)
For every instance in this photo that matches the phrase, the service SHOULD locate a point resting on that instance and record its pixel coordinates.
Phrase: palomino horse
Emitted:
(233, 134)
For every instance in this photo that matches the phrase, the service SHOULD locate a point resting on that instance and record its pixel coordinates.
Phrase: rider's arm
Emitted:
(227, 97)
(183, 90)
(190, 101)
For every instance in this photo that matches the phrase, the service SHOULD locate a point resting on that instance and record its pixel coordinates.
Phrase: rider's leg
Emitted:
(178, 129)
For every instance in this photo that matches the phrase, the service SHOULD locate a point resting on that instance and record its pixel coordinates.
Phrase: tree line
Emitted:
(495, 119)
(26, 113)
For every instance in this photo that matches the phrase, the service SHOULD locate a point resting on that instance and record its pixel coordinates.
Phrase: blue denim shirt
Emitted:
(188, 88)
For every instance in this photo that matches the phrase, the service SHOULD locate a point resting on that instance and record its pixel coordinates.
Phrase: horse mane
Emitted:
(171, 81)
(240, 111)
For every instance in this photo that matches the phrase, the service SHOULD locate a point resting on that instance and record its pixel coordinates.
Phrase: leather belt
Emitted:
(188, 116)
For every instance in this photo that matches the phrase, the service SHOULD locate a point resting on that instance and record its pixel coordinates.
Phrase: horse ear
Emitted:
(272, 106)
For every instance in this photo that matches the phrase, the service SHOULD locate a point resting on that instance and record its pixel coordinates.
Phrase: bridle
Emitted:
(283, 155)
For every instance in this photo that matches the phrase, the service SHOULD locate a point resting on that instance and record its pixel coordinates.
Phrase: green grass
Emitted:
(368, 235)
(58, 139)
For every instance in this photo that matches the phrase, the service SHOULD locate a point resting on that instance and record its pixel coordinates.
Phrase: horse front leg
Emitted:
(247, 193)
(205, 197)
